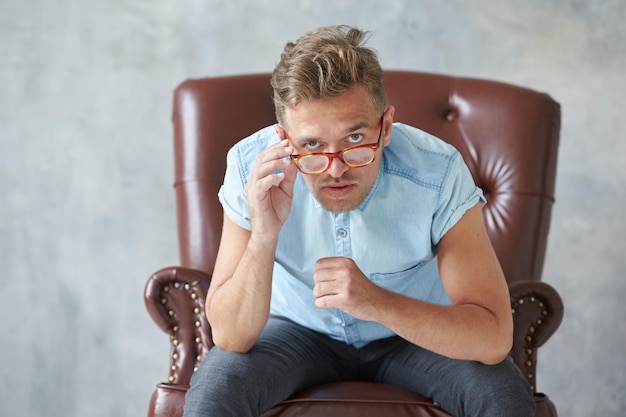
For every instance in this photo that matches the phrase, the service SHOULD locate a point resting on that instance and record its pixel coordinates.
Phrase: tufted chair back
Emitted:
(507, 135)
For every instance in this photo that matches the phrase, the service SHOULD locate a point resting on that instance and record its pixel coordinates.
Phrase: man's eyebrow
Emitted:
(357, 126)
(305, 139)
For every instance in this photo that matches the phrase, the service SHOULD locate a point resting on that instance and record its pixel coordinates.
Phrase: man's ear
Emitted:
(388, 121)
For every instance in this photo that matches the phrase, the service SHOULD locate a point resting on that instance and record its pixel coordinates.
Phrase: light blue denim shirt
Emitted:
(422, 190)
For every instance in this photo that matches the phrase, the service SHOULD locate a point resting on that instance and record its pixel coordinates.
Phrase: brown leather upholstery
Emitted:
(509, 138)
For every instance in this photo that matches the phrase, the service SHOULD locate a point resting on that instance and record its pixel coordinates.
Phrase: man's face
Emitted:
(331, 125)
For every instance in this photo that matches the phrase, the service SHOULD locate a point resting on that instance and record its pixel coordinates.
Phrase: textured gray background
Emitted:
(87, 209)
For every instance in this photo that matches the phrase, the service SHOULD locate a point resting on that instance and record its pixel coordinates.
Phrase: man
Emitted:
(353, 248)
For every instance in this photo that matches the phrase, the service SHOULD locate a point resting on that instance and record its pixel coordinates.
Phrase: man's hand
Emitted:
(339, 283)
(270, 192)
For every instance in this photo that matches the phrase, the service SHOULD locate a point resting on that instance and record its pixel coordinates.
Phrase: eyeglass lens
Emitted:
(352, 157)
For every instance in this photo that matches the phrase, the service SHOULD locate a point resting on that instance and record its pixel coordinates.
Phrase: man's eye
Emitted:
(313, 144)
(355, 138)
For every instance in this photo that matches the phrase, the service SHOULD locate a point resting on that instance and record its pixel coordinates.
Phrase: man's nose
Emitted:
(337, 168)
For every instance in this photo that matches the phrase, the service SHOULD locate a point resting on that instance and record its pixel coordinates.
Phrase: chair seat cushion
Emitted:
(358, 399)
(342, 399)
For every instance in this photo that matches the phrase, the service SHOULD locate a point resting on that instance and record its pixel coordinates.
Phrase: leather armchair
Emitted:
(508, 136)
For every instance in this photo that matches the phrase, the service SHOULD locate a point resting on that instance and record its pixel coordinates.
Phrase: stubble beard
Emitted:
(344, 204)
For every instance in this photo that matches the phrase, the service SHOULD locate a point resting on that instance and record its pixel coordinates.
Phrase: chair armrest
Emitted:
(175, 298)
(537, 313)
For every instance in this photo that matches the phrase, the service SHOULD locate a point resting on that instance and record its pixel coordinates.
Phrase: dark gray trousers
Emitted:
(288, 358)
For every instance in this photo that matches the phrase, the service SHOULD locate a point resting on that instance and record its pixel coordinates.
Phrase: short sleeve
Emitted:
(232, 193)
(458, 194)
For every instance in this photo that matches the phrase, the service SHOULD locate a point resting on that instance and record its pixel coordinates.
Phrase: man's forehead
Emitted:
(338, 115)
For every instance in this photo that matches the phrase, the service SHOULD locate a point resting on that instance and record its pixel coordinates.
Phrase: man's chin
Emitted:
(338, 205)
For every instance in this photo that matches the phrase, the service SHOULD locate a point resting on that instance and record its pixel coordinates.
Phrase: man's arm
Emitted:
(477, 326)
(238, 300)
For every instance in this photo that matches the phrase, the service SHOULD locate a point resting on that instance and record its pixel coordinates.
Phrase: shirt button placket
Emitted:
(343, 246)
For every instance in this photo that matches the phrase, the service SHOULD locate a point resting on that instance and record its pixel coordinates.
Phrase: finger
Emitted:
(333, 262)
(290, 172)
(280, 131)
(328, 276)
(265, 183)
(323, 289)
(265, 176)
(325, 302)
(275, 152)
(278, 150)
(271, 161)
(317, 290)
(328, 269)
(324, 263)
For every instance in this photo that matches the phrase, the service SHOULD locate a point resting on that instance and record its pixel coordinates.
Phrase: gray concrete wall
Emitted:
(87, 209)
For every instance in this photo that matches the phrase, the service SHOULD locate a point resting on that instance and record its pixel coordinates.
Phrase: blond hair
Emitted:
(325, 63)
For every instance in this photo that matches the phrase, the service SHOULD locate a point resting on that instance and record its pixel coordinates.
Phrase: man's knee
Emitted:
(223, 385)
(226, 371)
(494, 390)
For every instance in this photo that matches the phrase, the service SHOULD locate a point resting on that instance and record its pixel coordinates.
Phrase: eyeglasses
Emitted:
(354, 157)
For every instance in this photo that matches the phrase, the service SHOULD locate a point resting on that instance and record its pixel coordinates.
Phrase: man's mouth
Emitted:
(337, 190)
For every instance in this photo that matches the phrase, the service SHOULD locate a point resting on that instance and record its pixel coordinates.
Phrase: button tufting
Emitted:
(452, 114)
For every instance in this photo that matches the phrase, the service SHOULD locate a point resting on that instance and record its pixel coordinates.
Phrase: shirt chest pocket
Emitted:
(421, 281)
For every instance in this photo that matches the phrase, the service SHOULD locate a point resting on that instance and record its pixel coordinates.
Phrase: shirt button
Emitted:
(342, 232)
